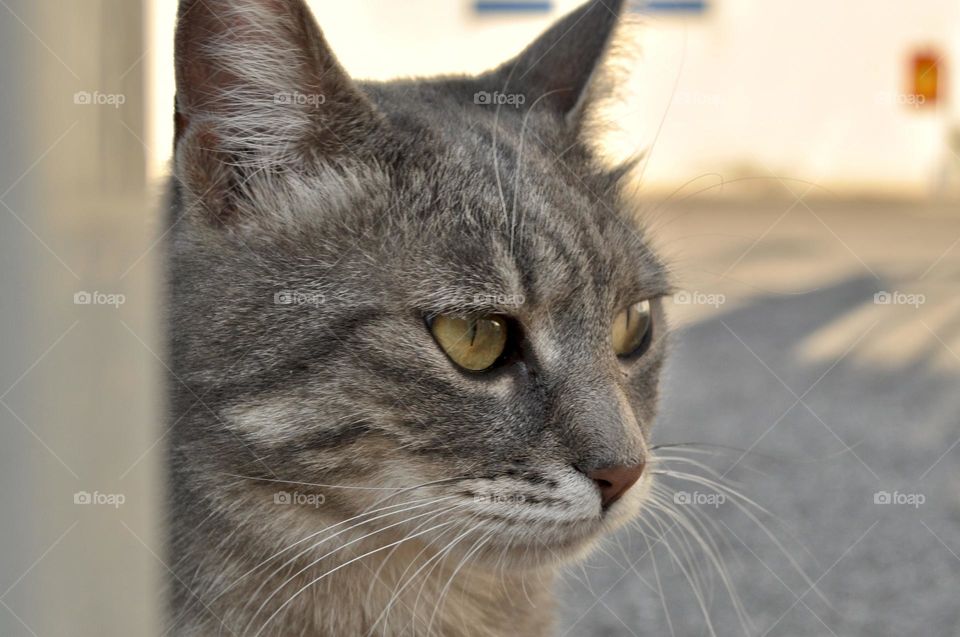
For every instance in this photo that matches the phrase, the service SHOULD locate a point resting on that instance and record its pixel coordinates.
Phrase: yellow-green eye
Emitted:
(473, 343)
(630, 328)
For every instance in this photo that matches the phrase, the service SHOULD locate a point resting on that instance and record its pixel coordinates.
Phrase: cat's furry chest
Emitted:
(412, 591)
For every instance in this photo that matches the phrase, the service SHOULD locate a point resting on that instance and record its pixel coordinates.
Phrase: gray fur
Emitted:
(384, 205)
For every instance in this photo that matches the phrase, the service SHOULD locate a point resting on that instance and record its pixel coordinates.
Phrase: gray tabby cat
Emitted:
(415, 336)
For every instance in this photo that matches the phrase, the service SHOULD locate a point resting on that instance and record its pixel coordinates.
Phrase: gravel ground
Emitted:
(832, 425)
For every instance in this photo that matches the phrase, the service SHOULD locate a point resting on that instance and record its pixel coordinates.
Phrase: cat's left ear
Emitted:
(259, 91)
(559, 70)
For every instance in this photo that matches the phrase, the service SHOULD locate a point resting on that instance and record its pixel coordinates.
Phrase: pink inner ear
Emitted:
(200, 77)
(236, 62)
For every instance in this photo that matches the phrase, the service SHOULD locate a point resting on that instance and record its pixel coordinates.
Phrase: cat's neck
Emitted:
(413, 590)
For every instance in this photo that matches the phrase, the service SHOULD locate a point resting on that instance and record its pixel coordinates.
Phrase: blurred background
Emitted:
(801, 174)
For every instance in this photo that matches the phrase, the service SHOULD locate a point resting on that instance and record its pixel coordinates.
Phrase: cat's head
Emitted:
(422, 292)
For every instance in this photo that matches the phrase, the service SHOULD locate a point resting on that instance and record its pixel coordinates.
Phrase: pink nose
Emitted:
(613, 482)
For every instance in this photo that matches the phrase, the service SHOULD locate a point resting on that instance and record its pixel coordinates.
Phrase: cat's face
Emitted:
(327, 258)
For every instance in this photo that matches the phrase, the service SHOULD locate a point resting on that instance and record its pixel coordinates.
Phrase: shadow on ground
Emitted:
(831, 443)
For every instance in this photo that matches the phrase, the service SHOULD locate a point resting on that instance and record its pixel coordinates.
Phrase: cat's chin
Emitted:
(583, 536)
(548, 551)
(533, 546)
(526, 555)
(554, 553)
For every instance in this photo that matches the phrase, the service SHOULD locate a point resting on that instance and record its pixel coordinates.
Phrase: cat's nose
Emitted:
(613, 482)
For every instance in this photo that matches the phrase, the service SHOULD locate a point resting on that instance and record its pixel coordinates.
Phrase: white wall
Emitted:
(803, 89)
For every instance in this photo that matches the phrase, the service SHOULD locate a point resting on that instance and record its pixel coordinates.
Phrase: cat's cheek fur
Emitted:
(534, 523)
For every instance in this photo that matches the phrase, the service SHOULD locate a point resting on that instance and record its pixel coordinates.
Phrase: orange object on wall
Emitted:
(926, 77)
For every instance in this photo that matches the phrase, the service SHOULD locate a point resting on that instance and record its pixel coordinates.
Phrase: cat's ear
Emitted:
(259, 90)
(559, 69)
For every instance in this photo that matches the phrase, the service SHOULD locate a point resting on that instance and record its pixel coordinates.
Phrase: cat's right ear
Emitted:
(258, 91)
(558, 71)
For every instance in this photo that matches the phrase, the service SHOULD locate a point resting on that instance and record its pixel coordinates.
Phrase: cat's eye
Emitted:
(473, 343)
(631, 329)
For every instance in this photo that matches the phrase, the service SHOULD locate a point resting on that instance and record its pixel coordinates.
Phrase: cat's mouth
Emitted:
(553, 527)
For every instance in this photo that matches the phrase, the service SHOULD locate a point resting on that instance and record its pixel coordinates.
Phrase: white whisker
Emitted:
(337, 568)
(328, 554)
